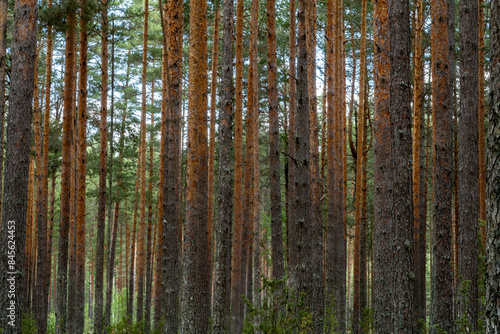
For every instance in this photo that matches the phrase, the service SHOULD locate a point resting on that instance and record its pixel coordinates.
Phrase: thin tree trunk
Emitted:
(481, 123)
(67, 138)
(3, 98)
(493, 156)
(357, 310)
(79, 301)
(101, 210)
(195, 308)
(130, 302)
(274, 149)
(147, 301)
(211, 154)
(142, 205)
(237, 280)
(251, 144)
(292, 87)
(222, 277)
(42, 322)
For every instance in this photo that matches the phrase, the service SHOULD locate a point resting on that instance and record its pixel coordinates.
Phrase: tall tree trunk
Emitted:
(142, 205)
(237, 280)
(274, 147)
(442, 279)
(159, 295)
(195, 308)
(357, 311)
(101, 210)
(171, 246)
(468, 166)
(43, 312)
(222, 279)
(292, 87)
(419, 231)
(315, 180)
(67, 170)
(79, 301)
(130, 301)
(401, 160)
(211, 154)
(147, 300)
(41, 220)
(336, 240)
(251, 145)
(493, 196)
(300, 229)
(13, 228)
(3, 98)
(481, 120)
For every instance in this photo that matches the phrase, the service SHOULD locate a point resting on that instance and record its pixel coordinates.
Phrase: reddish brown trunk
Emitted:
(195, 308)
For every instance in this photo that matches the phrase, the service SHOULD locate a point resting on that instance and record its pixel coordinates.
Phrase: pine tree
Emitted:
(222, 278)
(195, 308)
(101, 210)
(67, 138)
(441, 301)
(17, 158)
(401, 163)
(492, 307)
(468, 166)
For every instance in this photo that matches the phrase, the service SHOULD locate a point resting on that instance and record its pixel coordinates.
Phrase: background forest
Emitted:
(251, 167)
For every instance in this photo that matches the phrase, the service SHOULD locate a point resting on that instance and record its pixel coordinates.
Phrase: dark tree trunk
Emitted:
(401, 163)
(3, 98)
(222, 279)
(468, 166)
(300, 229)
(493, 184)
(442, 278)
(13, 228)
(171, 239)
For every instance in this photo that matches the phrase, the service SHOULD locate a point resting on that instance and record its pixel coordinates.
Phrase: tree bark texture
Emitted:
(274, 147)
(222, 278)
(358, 271)
(141, 256)
(493, 185)
(300, 229)
(17, 161)
(195, 307)
(401, 163)
(66, 170)
(336, 237)
(3, 98)
(101, 210)
(442, 279)
(468, 166)
(237, 281)
(171, 239)
(79, 300)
